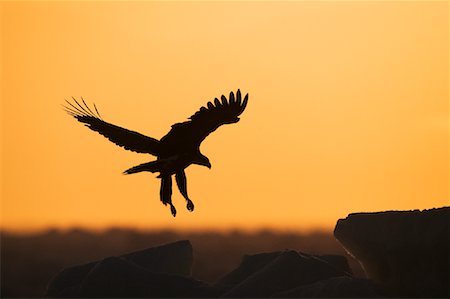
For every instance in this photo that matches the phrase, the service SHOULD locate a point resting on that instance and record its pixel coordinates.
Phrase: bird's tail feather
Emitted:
(153, 166)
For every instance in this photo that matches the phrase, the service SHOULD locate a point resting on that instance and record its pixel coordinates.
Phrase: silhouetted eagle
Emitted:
(175, 151)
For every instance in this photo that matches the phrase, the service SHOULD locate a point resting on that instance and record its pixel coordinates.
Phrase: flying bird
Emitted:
(178, 149)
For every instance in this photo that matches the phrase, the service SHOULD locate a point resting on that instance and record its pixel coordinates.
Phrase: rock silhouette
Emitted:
(153, 272)
(118, 277)
(164, 271)
(286, 271)
(406, 252)
(252, 264)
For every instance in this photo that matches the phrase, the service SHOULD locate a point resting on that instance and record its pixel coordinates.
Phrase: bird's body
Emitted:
(178, 149)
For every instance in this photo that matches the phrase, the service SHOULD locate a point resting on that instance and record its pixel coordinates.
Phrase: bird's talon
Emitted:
(190, 206)
(173, 210)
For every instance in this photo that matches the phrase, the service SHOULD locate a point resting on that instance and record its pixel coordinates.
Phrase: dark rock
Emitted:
(336, 287)
(287, 270)
(173, 259)
(68, 281)
(253, 263)
(406, 252)
(249, 265)
(118, 278)
(338, 261)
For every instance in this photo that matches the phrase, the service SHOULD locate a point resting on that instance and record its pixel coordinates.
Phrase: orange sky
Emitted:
(348, 110)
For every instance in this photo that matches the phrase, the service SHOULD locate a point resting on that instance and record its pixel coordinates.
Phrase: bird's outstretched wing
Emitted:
(127, 139)
(205, 121)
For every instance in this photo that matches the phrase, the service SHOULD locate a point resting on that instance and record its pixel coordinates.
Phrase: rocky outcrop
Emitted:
(164, 271)
(155, 272)
(287, 270)
(265, 274)
(117, 277)
(405, 252)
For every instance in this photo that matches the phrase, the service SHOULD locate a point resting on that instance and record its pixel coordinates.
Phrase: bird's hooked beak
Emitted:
(208, 164)
(233, 121)
(202, 160)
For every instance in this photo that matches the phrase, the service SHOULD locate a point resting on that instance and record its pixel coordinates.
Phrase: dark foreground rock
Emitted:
(155, 272)
(287, 270)
(117, 277)
(164, 271)
(405, 252)
(265, 274)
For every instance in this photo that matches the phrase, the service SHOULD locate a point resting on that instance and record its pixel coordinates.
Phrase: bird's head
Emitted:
(201, 160)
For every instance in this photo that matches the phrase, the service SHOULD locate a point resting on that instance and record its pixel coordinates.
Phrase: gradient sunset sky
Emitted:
(348, 110)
